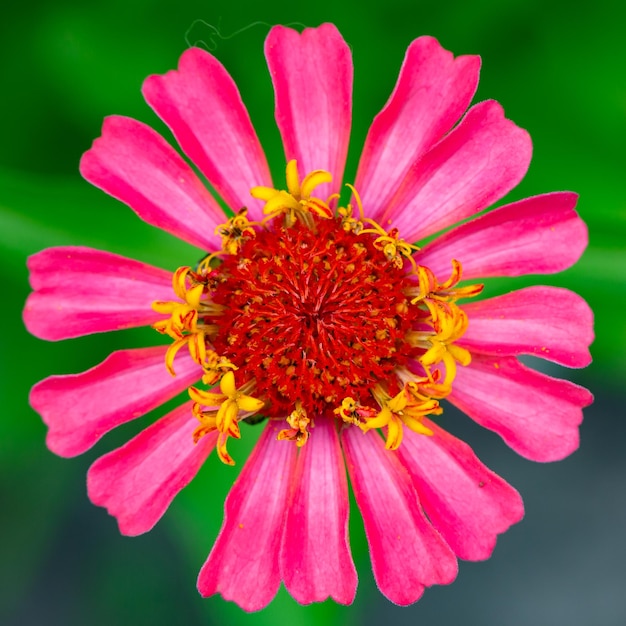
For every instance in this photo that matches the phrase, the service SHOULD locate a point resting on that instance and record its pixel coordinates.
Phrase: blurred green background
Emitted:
(558, 70)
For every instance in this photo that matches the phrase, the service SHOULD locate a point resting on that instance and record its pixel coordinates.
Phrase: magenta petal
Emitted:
(80, 408)
(202, 106)
(79, 291)
(407, 553)
(538, 416)
(312, 76)
(137, 482)
(244, 563)
(316, 561)
(134, 164)
(549, 322)
(479, 162)
(432, 92)
(464, 500)
(538, 235)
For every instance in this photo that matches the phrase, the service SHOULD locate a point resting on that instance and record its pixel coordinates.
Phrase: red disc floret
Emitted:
(313, 315)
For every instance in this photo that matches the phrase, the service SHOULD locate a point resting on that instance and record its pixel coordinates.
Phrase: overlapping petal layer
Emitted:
(134, 164)
(316, 562)
(80, 408)
(79, 291)
(407, 553)
(465, 501)
(538, 235)
(137, 482)
(537, 415)
(244, 563)
(313, 97)
(202, 106)
(432, 92)
(549, 322)
(475, 165)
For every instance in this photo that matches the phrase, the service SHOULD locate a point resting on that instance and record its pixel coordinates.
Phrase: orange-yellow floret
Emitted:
(299, 423)
(393, 247)
(215, 366)
(353, 412)
(231, 402)
(428, 288)
(447, 321)
(348, 221)
(183, 323)
(427, 386)
(404, 409)
(297, 202)
(234, 231)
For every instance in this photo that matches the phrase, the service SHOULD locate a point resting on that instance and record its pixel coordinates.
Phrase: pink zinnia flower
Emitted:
(324, 318)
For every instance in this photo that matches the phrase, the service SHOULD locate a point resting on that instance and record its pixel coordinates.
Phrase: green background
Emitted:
(558, 70)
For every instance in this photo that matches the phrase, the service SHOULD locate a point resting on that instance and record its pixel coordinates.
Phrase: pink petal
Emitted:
(244, 563)
(408, 554)
(538, 416)
(464, 500)
(137, 482)
(316, 561)
(312, 76)
(81, 408)
(79, 291)
(537, 235)
(479, 162)
(134, 164)
(432, 92)
(549, 322)
(202, 106)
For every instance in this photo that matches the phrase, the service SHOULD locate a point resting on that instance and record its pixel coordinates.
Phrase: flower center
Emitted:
(309, 315)
(313, 315)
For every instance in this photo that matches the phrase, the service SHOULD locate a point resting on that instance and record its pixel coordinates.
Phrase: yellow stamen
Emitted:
(429, 287)
(352, 412)
(394, 248)
(448, 324)
(424, 387)
(293, 178)
(234, 231)
(231, 402)
(348, 222)
(215, 366)
(299, 423)
(296, 203)
(186, 322)
(404, 409)
(312, 180)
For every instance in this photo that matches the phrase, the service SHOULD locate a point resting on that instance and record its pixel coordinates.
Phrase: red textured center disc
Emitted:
(312, 316)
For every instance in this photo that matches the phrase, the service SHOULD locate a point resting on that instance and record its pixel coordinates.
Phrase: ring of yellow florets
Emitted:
(307, 315)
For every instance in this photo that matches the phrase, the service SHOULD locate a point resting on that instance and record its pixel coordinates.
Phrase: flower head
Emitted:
(324, 319)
